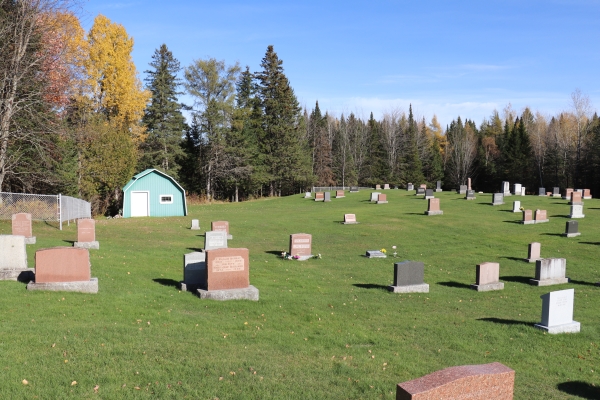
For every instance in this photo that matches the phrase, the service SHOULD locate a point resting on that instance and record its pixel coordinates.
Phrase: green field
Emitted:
(323, 329)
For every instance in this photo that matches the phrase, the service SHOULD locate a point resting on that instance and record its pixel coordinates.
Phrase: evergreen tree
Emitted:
(322, 149)
(163, 118)
(436, 165)
(414, 166)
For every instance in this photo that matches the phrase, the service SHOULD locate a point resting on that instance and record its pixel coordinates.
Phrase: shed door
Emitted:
(139, 204)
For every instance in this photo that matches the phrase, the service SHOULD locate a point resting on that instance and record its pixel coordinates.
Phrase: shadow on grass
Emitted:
(556, 202)
(194, 249)
(552, 234)
(580, 389)
(516, 259)
(560, 216)
(518, 279)
(582, 283)
(71, 242)
(274, 252)
(592, 243)
(166, 282)
(423, 213)
(371, 286)
(455, 285)
(505, 321)
(593, 208)
(513, 222)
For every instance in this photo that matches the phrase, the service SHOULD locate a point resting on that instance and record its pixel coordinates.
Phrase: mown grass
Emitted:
(323, 328)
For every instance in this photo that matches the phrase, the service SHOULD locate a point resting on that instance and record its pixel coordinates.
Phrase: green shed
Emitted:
(152, 193)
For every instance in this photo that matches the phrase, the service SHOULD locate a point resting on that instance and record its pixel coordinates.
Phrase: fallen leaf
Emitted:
(73, 383)
(24, 382)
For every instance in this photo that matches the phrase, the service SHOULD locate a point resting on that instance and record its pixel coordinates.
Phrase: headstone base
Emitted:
(326, 201)
(577, 216)
(571, 203)
(573, 327)
(302, 258)
(30, 240)
(517, 211)
(350, 223)
(507, 194)
(319, 199)
(532, 260)
(488, 287)
(462, 192)
(528, 222)
(90, 286)
(339, 197)
(438, 190)
(542, 195)
(18, 274)
(541, 221)
(570, 235)
(497, 204)
(548, 282)
(422, 288)
(249, 293)
(381, 202)
(587, 197)
(556, 195)
(308, 195)
(87, 245)
(440, 212)
(470, 198)
(375, 254)
(429, 197)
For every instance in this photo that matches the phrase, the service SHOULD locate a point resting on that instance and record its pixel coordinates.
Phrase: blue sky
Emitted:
(446, 58)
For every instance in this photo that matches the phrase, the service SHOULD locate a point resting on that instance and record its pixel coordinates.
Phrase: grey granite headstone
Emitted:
(195, 225)
(353, 189)
(470, 195)
(408, 278)
(571, 229)
(557, 312)
(541, 191)
(556, 192)
(410, 186)
(497, 199)
(375, 254)
(327, 196)
(13, 259)
(194, 271)
(550, 271)
(462, 189)
(428, 194)
(577, 212)
(438, 186)
(215, 240)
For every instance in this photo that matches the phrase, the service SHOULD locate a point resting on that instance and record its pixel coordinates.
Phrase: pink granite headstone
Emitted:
(473, 382)
(568, 192)
(220, 226)
(377, 187)
(423, 186)
(469, 184)
(587, 194)
(349, 218)
(62, 264)
(487, 272)
(540, 215)
(339, 193)
(301, 244)
(382, 198)
(527, 215)
(227, 269)
(434, 205)
(575, 197)
(21, 225)
(86, 230)
(319, 196)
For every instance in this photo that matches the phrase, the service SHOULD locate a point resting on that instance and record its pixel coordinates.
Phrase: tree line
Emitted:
(76, 119)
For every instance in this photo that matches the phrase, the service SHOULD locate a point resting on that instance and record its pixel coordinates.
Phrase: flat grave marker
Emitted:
(375, 254)
(350, 219)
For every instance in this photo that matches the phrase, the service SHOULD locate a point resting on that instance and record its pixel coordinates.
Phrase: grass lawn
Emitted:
(323, 329)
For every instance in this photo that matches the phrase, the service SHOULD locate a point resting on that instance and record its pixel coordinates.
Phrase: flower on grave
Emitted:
(296, 257)
(318, 256)
(283, 254)
(383, 251)
(394, 247)
(522, 208)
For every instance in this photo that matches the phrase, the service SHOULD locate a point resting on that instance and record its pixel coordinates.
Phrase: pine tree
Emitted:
(414, 166)
(322, 149)
(163, 118)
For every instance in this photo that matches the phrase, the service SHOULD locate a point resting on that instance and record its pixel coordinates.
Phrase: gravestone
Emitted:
(215, 240)
(438, 186)
(550, 271)
(375, 254)
(516, 206)
(63, 269)
(301, 245)
(576, 212)
(221, 226)
(555, 192)
(423, 186)
(527, 217)
(86, 234)
(541, 191)
(517, 189)
(420, 192)
(462, 189)
(408, 278)
(353, 189)
(350, 219)
(576, 199)
(506, 188)
(497, 199)
(377, 187)
(493, 381)
(540, 216)
(307, 195)
(227, 275)
(374, 196)
(433, 207)
(382, 199)
(470, 195)
(194, 271)
(533, 252)
(469, 184)
(557, 312)
(386, 186)
(319, 196)
(410, 186)
(568, 192)
(586, 194)
(339, 194)
(523, 191)
(13, 259)
(196, 225)
(21, 226)
(327, 197)
(428, 194)
(571, 229)
(487, 277)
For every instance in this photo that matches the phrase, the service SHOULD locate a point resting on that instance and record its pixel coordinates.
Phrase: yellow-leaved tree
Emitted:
(114, 87)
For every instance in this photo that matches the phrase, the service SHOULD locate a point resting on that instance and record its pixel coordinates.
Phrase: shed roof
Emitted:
(148, 171)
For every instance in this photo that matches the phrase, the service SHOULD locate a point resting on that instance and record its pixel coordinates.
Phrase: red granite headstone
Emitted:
(21, 225)
(575, 197)
(434, 204)
(86, 230)
(319, 196)
(382, 197)
(339, 193)
(62, 264)
(568, 192)
(469, 184)
(227, 269)
(301, 244)
(540, 215)
(586, 193)
(527, 215)
(473, 382)
(220, 226)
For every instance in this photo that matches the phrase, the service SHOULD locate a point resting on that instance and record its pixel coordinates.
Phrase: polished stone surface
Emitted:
(301, 244)
(557, 312)
(227, 269)
(62, 264)
(215, 240)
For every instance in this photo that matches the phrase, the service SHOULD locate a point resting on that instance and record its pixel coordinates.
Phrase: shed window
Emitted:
(166, 199)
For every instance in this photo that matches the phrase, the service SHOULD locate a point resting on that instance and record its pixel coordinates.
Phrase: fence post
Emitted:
(59, 211)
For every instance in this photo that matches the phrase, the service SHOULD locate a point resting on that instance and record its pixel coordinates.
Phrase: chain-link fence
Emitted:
(331, 188)
(43, 207)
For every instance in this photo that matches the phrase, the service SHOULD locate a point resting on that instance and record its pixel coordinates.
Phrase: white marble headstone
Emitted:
(516, 206)
(557, 312)
(375, 196)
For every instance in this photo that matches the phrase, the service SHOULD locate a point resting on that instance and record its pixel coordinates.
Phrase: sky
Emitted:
(446, 58)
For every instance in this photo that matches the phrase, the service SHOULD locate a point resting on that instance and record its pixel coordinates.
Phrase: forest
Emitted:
(77, 119)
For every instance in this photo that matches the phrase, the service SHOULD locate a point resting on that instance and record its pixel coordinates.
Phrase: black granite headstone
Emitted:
(470, 194)
(572, 227)
(542, 191)
(409, 273)
(354, 188)
(429, 193)
(420, 191)
(410, 186)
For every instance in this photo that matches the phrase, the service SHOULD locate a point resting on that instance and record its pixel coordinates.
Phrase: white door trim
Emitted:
(147, 192)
